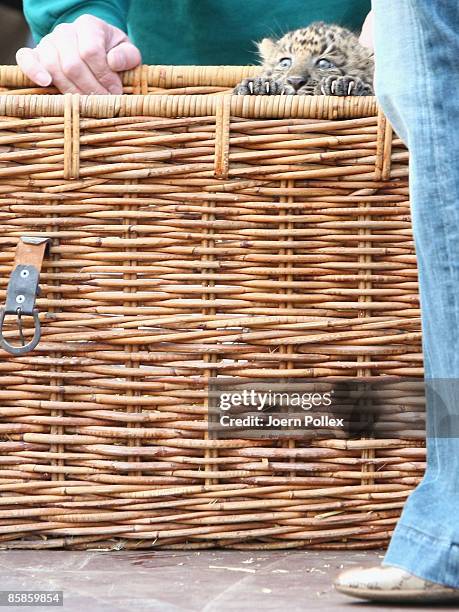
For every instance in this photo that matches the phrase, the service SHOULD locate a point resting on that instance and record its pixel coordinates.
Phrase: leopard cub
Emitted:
(318, 60)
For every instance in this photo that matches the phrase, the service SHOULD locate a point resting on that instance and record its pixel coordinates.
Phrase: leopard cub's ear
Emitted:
(267, 48)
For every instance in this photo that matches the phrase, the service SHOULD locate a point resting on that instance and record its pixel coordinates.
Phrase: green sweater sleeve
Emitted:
(44, 15)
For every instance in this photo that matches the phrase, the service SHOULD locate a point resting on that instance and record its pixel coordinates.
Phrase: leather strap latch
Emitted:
(23, 289)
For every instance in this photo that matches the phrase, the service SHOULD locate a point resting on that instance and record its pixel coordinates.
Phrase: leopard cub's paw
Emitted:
(335, 85)
(259, 86)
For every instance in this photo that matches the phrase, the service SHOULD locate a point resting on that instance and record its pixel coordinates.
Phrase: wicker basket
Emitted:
(194, 235)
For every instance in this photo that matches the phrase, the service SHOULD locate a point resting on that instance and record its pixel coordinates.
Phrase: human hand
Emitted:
(81, 57)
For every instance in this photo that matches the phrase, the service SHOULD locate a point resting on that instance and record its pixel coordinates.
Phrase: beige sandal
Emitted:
(392, 584)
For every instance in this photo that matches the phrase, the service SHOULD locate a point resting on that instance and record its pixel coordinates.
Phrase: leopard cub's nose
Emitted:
(296, 82)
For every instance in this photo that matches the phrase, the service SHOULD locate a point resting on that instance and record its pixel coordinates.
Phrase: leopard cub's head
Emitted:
(302, 58)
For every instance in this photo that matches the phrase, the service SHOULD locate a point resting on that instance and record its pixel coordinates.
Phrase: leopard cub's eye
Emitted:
(325, 64)
(285, 62)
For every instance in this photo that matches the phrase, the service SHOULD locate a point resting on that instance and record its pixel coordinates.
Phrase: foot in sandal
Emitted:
(392, 584)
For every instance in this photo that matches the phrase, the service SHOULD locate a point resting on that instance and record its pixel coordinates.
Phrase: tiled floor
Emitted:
(287, 581)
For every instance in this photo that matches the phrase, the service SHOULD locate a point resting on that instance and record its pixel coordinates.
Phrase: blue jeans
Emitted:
(417, 76)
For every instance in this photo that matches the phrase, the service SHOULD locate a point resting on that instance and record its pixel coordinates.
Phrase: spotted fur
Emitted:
(321, 59)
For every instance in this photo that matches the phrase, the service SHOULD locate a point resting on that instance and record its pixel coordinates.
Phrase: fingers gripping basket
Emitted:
(195, 234)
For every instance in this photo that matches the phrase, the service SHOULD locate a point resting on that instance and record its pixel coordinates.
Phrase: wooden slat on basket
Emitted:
(151, 79)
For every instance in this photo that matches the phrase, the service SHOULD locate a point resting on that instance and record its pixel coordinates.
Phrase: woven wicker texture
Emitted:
(194, 236)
